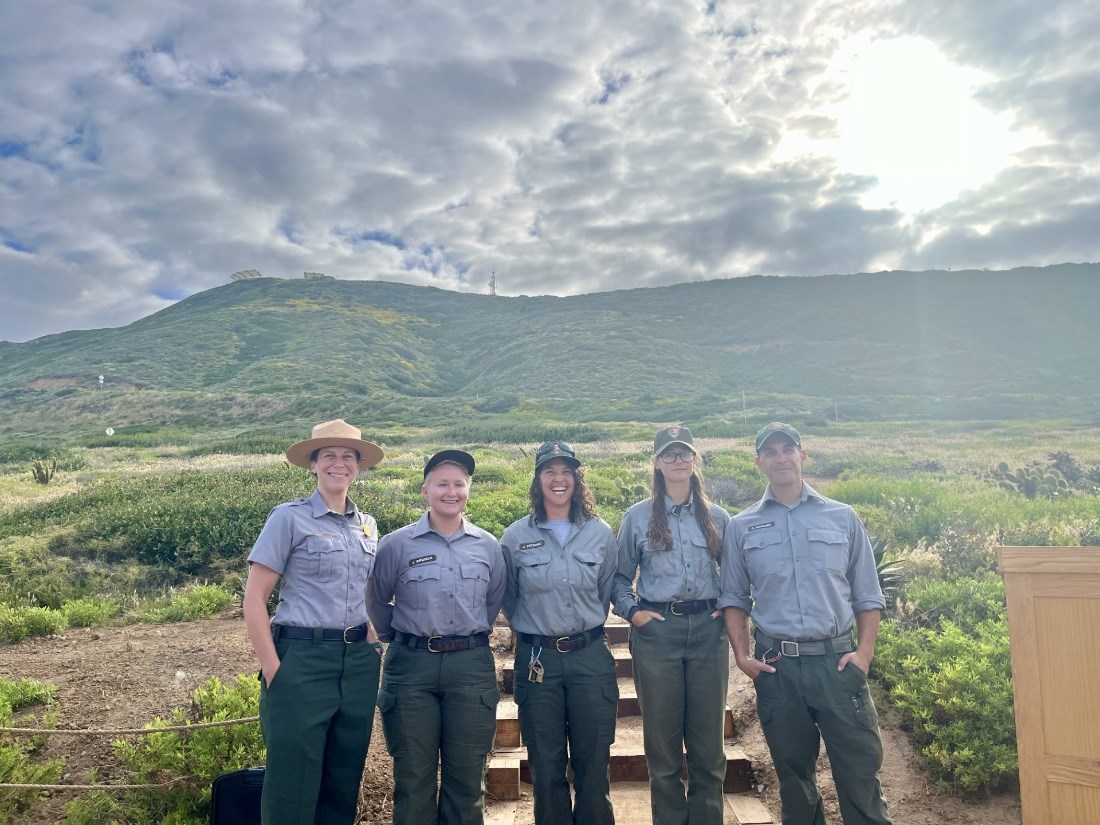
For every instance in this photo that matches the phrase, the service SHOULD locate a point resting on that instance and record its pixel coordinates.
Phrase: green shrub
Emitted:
(17, 765)
(966, 602)
(89, 612)
(954, 692)
(187, 605)
(193, 758)
(17, 623)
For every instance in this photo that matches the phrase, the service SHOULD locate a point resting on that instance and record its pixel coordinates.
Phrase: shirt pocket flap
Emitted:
(475, 570)
(762, 538)
(588, 555)
(320, 544)
(531, 558)
(827, 536)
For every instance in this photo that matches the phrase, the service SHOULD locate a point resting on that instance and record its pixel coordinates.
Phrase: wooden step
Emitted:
(508, 767)
(508, 730)
(747, 809)
(502, 773)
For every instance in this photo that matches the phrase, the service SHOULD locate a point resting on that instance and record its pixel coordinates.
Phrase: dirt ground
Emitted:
(123, 677)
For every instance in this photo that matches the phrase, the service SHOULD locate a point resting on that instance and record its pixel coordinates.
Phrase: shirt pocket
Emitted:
(587, 561)
(660, 565)
(474, 586)
(321, 557)
(419, 585)
(829, 549)
(533, 571)
(763, 554)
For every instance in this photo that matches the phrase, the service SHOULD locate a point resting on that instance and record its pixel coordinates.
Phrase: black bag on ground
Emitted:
(235, 797)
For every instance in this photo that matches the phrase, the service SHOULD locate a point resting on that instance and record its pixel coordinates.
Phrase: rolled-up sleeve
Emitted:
(736, 590)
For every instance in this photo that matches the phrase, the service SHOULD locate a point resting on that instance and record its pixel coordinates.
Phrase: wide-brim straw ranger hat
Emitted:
(335, 433)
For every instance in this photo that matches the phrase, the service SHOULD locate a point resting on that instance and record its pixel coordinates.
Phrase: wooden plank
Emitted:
(748, 809)
(1072, 771)
(1028, 702)
(1048, 559)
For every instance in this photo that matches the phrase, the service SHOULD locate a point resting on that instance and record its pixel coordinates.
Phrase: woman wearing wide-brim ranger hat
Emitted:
(319, 657)
(680, 654)
(561, 566)
(437, 588)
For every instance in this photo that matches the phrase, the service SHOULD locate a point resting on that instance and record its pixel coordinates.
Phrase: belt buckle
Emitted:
(432, 639)
(672, 608)
(348, 641)
(557, 644)
(789, 649)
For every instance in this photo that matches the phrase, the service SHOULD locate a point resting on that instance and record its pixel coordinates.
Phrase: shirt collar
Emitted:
(676, 509)
(808, 492)
(321, 509)
(423, 526)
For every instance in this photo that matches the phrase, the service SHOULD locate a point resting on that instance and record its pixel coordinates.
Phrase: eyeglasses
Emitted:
(670, 456)
(771, 656)
(555, 447)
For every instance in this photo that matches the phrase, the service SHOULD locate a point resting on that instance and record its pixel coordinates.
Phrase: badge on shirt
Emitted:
(762, 526)
(530, 545)
(422, 560)
(368, 530)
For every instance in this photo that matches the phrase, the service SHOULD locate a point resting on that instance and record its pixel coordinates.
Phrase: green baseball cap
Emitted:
(778, 427)
(672, 435)
(556, 449)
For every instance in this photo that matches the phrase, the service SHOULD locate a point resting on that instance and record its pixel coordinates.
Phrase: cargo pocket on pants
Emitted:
(391, 721)
(490, 697)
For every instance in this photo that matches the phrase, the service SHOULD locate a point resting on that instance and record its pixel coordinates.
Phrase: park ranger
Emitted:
(319, 657)
(802, 566)
(437, 588)
(561, 564)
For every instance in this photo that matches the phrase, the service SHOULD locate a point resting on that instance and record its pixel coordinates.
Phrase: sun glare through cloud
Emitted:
(909, 118)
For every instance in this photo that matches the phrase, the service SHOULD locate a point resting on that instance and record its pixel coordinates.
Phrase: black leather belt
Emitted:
(441, 644)
(563, 644)
(680, 608)
(815, 647)
(348, 635)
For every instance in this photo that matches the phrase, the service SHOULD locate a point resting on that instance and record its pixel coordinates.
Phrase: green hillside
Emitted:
(272, 353)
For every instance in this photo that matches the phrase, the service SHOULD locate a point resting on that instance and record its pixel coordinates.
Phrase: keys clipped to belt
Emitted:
(535, 669)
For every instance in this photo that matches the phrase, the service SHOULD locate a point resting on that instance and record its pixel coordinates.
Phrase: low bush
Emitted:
(191, 758)
(17, 762)
(954, 691)
(89, 612)
(17, 623)
(189, 604)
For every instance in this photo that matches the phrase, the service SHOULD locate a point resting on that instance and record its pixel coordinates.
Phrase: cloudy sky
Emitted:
(150, 150)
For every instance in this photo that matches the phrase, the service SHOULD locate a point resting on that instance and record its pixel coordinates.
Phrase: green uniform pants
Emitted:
(439, 716)
(570, 715)
(681, 672)
(316, 722)
(807, 700)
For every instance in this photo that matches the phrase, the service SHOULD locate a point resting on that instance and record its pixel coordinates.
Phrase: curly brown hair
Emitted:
(582, 506)
(658, 534)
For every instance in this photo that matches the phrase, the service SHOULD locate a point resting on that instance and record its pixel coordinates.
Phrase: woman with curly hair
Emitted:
(680, 652)
(561, 564)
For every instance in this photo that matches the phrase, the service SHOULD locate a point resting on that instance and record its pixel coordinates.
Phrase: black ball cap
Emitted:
(459, 457)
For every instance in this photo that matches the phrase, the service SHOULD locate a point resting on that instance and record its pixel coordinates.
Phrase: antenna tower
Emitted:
(493, 284)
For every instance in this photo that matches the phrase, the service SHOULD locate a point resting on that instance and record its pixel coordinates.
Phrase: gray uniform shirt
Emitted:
(802, 572)
(324, 559)
(685, 572)
(428, 584)
(555, 589)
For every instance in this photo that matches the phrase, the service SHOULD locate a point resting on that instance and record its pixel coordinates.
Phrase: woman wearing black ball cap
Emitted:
(437, 587)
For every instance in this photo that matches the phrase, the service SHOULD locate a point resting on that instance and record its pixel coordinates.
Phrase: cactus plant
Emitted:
(42, 471)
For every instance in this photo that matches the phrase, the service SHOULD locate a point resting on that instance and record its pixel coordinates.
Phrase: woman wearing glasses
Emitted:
(680, 653)
(561, 565)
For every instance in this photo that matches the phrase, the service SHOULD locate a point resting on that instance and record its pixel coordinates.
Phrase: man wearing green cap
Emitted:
(801, 565)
